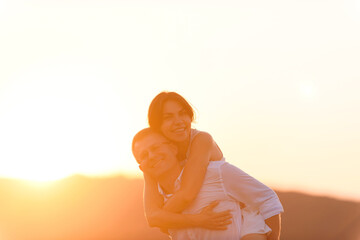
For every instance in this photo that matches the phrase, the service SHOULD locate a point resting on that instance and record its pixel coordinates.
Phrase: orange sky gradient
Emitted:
(276, 84)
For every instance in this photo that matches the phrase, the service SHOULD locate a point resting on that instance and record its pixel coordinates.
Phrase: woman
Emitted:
(171, 115)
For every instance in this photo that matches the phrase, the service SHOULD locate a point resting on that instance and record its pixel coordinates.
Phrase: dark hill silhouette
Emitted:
(312, 218)
(80, 208)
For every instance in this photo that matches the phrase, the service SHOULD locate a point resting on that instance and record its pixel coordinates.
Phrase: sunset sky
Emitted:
(276, 83)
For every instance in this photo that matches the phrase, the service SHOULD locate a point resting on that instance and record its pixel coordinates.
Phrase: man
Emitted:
(223, 182)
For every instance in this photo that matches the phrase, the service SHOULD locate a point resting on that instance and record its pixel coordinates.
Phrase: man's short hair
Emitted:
(141, 135)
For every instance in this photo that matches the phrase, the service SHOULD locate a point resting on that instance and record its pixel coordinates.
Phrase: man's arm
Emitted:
(255, 194)
(274, 223)
(205, 219)
(153, 201)
(250, 191)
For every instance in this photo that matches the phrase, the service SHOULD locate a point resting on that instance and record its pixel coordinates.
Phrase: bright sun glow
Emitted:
(53, 126)
(307, 89)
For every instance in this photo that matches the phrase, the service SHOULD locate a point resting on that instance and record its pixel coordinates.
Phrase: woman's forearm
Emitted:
(156, 213)
(179, 201)
(193, 175)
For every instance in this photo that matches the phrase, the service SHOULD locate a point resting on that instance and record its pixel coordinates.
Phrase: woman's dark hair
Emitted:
(156, 108)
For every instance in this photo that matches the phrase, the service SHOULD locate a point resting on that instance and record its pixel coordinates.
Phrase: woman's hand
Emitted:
(209, 219)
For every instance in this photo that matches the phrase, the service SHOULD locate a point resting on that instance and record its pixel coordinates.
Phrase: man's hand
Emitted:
(214, 220)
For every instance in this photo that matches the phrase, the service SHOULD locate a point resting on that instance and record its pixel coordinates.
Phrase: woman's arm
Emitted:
(193, 174)
(157, 217)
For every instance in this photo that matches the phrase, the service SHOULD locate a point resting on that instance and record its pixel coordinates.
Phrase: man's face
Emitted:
(155, 154)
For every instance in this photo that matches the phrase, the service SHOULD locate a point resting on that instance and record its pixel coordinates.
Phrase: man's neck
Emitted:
(167, 180)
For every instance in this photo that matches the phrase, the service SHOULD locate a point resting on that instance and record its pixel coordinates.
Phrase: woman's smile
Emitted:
(176, 123)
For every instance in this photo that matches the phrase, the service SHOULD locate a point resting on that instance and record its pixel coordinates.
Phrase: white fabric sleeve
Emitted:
(246, 189)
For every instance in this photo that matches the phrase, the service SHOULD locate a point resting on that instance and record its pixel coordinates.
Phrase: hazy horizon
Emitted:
(48, 185)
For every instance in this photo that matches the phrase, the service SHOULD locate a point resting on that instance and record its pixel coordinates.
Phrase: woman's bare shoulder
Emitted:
(203, 140)
(202, 137)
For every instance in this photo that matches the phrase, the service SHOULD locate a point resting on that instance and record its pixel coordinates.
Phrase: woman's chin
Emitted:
(179, 138)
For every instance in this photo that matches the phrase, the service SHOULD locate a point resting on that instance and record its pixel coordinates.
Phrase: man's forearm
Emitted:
(274, 223)
(165, 219)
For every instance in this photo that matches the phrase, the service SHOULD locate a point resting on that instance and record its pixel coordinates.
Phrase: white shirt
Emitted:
(231, 186)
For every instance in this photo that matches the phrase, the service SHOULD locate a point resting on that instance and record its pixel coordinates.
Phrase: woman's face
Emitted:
(176, 122)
